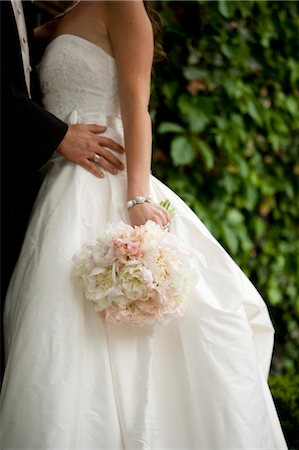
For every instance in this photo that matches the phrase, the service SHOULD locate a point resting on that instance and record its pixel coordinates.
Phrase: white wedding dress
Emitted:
(74, 381)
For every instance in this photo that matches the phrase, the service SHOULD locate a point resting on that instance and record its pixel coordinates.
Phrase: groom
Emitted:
(30, 135)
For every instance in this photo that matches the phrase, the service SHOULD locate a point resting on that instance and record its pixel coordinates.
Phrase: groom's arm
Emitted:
(34, 134)
(36, 129)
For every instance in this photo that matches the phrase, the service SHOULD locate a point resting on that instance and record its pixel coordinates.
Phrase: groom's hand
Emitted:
(84, 145)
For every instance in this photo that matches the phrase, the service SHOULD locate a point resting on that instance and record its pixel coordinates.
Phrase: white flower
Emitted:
(99, 283)
(135, 281)
(138, 275)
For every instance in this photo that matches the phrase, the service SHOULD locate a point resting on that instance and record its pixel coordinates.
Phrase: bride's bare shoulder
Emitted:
(125, 10)
(131, 36)
(123, 4)
(129, 18)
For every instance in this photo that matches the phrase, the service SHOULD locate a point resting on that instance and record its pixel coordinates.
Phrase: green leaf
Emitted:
(228, 50)
(234, 217)
(253, 111)
(230, 238)
(245, 7)
(259, 226)
(198, 123)
(242, 166)
(182, 152)
(169, 89)
(222, 123)
(229, 183)
(274, 139)
(292, 106)
(294, 70)
(193, 73)
(193, 112)
(226, 8)
(206, 153)
(170, 127)
(274, 295)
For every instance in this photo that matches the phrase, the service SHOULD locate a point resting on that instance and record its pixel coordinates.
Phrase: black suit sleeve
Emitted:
(30, 134)
(37, 130)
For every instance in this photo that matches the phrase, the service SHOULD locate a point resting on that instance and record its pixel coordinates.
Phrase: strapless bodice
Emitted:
(79, 76)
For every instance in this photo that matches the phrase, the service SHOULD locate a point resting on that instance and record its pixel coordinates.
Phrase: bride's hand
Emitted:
(143, 212)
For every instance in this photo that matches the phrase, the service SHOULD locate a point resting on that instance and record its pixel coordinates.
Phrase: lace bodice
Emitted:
(79, 77)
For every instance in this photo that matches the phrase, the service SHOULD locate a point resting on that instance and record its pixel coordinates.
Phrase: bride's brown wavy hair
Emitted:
(157, 25)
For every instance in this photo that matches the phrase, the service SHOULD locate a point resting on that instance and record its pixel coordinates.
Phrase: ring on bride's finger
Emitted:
(97, 158)
(166, 227)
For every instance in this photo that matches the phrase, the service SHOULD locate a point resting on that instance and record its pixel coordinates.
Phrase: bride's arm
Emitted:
(131, 37)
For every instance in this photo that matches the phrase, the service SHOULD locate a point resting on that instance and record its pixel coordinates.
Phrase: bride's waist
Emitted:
(113, 124)
(94, 117)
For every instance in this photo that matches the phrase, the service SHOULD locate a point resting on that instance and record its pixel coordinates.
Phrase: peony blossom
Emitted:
(138, 275)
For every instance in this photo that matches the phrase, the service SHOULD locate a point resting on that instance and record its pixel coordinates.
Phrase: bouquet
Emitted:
(138, 275)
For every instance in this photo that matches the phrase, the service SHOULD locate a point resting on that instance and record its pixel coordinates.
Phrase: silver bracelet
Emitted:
(138, 201)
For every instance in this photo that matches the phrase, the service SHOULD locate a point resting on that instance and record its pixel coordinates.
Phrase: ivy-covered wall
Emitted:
(225, 106)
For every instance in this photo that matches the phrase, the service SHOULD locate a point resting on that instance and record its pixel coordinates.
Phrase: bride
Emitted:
(74, 381)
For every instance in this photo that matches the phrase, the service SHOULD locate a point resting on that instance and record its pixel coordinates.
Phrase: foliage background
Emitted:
(225, 108)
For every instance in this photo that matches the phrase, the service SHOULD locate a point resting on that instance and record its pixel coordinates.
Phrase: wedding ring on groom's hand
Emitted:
(97, 158)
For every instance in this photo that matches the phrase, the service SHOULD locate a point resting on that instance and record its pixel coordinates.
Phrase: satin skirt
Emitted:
(73, 381)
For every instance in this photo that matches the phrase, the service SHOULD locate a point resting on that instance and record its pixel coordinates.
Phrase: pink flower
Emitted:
(125, 248)
(138, 275)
